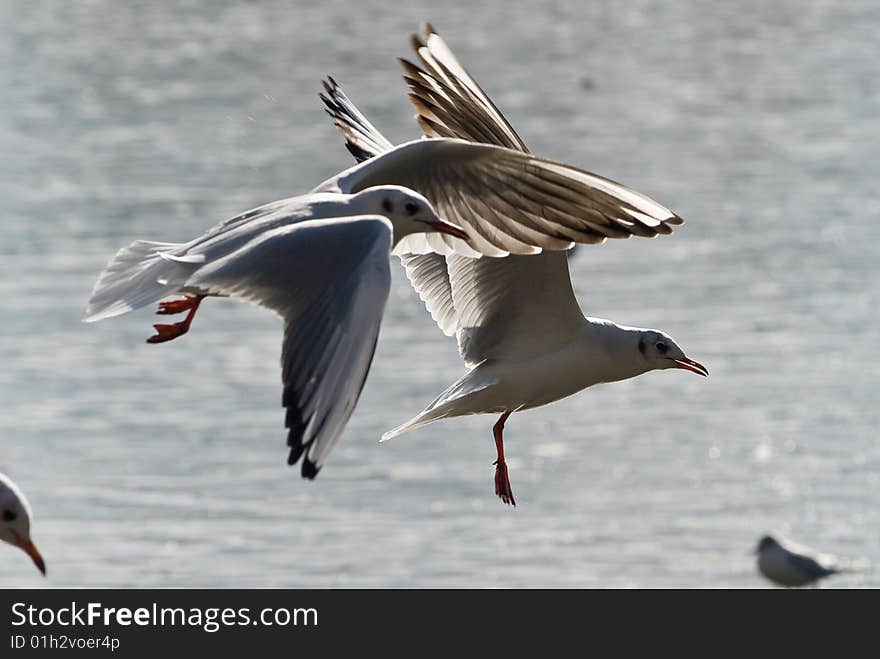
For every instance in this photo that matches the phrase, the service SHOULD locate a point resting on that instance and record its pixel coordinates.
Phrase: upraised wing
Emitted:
(509, 201)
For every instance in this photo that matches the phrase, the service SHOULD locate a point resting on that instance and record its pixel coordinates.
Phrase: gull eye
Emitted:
(387, 206)
(411, 208)
(9, 516)
(662, 348)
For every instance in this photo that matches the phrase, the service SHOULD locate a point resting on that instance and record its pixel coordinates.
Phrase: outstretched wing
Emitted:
(509, 201)
(329, 281)
(501, 306)
(449, 101)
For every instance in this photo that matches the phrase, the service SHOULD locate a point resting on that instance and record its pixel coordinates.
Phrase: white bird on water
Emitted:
(520, 330)
(15, 521)
(792, 565)
(319, 261)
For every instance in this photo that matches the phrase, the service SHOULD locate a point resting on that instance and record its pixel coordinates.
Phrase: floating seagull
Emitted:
(318, 261)
(520, 330)
(15, 521)
(791, 565)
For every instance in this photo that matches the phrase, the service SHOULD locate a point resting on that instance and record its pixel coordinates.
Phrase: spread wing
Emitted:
(449, 101)
(513, 305)
(329, 281)
(509, 201)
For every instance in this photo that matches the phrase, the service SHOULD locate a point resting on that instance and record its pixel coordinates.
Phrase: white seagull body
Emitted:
(15, 521)
(318, 261)
(792, 565)
(520, 330)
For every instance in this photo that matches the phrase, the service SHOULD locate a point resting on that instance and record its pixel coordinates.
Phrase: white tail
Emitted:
(138, 275)
(421, 419)
(454, 401)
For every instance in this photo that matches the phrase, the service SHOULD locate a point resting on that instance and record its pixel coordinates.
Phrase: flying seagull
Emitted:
(520, 330)
(15, 521)
(319, 261)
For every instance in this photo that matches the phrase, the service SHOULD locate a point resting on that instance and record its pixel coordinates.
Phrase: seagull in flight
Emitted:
(15, 521)
(521, 334)
(319, 261)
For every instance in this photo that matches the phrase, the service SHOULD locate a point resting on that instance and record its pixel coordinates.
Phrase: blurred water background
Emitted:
(164, 465)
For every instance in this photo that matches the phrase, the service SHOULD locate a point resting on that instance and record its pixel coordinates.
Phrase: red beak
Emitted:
(692, 366)
(450, 229)
(29, 548)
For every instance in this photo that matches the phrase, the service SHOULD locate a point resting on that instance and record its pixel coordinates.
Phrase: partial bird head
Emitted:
(660, 351)
(15, 521)
(407, 210)
(766, 543)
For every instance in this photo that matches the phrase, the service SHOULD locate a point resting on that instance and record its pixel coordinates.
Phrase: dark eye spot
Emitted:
(387, 206)
(662, 348)
(411, 208)
(9, 516)
(642, 346)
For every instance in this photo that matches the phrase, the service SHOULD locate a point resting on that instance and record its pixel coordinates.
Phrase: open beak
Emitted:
(450, 229)
(29, 548)
(692, 366)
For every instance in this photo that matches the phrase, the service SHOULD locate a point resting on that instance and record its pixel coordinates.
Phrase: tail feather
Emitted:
(138, 275)
(421, 419)
(850, 567)
(456, 400)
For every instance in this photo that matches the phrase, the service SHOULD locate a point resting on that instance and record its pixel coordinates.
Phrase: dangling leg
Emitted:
(502, 482)
(169, 332)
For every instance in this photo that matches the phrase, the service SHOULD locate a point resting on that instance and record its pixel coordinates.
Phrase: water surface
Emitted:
(164, 465)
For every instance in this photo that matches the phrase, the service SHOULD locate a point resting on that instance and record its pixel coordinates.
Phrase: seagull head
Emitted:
(407, 210)
(15, 521)
(765, 543)
(660, 351)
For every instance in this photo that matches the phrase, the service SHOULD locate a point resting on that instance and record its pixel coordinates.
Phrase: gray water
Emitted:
(165, 465)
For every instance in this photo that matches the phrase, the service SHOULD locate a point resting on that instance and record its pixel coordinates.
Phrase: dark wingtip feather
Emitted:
(412, 69)
(309, 469)
(295, 452)
(295, 425)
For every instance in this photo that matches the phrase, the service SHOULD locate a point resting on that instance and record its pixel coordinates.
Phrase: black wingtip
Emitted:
(415, 42)
(329, 85)
(309, 469)
(293, 456)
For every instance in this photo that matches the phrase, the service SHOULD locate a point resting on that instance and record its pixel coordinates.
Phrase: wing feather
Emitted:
(329, 281)
(458, 177)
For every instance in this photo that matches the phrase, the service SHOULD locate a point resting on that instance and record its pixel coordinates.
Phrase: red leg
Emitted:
(178, 306)
(169, 332)
(502, 482)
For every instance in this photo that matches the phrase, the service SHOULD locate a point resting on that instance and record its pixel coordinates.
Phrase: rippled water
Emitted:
(164, 465)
